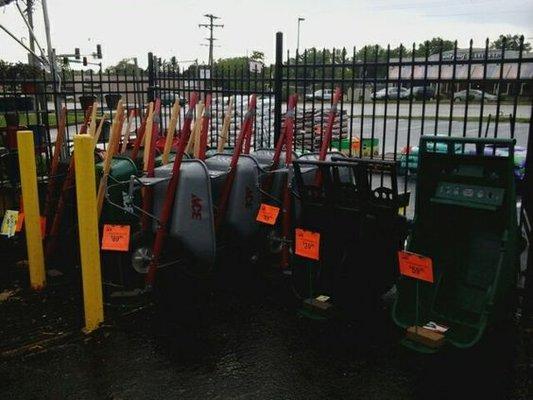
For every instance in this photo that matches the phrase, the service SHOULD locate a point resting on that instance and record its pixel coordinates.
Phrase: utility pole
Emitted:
(29, 14)
(300, 19)
(211, 25)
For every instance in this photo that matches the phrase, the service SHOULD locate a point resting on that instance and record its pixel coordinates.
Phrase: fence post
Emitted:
(278, 90)
(527, 200)
(88, 231)
(30, 198)
(151, 77)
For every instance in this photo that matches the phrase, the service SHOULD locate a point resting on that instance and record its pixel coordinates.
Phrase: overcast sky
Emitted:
(128, 28)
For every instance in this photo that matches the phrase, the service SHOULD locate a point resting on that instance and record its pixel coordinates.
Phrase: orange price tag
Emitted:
(20, 221)
(307, 244)
(267, 214)
(416, 266)
(116, 237)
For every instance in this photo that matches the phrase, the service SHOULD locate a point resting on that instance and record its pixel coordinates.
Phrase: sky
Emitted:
(129, 28)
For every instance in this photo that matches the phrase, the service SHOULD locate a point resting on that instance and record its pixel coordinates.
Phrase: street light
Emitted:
(300, 19)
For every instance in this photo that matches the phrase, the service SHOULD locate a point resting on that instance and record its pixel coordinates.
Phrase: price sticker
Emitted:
(307, 244)
(116, 237)
(9, 223)
(416, 266)
(267, 214)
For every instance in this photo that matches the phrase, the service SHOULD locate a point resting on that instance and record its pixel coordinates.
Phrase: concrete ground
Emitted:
(245, 339)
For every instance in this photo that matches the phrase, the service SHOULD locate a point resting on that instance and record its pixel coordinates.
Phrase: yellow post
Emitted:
(30, 199)
(88, 231)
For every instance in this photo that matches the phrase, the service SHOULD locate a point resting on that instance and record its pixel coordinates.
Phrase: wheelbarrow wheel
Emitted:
(141, 253)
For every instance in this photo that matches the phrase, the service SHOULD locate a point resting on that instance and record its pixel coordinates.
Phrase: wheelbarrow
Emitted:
(355, 212)
(466, 224)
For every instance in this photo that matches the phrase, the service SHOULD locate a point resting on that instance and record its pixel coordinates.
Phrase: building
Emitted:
(485, 72)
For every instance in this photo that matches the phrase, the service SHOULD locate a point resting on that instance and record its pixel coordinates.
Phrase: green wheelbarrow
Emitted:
(466, 223)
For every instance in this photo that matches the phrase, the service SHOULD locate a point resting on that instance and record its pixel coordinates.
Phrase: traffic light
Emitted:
(77, 53)
(99, 51)
(84, 61)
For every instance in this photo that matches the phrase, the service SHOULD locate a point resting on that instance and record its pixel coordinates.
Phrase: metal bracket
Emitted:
(129, 196)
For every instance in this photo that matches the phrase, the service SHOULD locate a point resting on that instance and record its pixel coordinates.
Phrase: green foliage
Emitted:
(434, 46)
(257, 56)
(19, 71)
(232, 64)
(237, 67)
(512, 42)
(124, 66)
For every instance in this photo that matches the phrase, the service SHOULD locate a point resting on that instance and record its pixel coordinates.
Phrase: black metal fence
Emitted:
(390, 97)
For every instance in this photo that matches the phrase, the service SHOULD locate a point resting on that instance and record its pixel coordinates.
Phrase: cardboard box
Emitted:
(425, 336)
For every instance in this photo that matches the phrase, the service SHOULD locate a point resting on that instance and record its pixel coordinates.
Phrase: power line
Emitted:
(211, 25)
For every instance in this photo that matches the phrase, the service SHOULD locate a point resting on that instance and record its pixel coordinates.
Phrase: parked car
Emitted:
(392, 93)
(422, 92)
(326, 94)
(168, 99)
(473, 94)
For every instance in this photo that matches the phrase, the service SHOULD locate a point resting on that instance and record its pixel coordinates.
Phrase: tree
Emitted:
(257, 56)
(126, 66)
(170, 65)
(434, 46)
(512, 42)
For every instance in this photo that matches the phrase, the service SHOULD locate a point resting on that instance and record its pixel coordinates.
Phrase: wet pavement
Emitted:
(244, 338)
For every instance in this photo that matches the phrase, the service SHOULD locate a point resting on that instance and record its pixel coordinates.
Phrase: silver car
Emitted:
(392, 93)
(326, 94)
(473, 94)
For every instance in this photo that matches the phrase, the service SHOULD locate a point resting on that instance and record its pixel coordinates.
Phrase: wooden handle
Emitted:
(99, 129)
(59, 141)
(92, 122)
(148, 135)
(198, 131)
(127, 132)
(114, 139)
(197, 125)
(171, 129)
(225, 126)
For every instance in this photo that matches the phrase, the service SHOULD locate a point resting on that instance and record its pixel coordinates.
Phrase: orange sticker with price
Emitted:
(416, 266)
(267, 214)
(116, 237)
(307, 244)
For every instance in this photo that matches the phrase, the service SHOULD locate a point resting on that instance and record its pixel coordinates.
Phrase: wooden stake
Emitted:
(114, 140)
(225, 126)
(170, 131)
